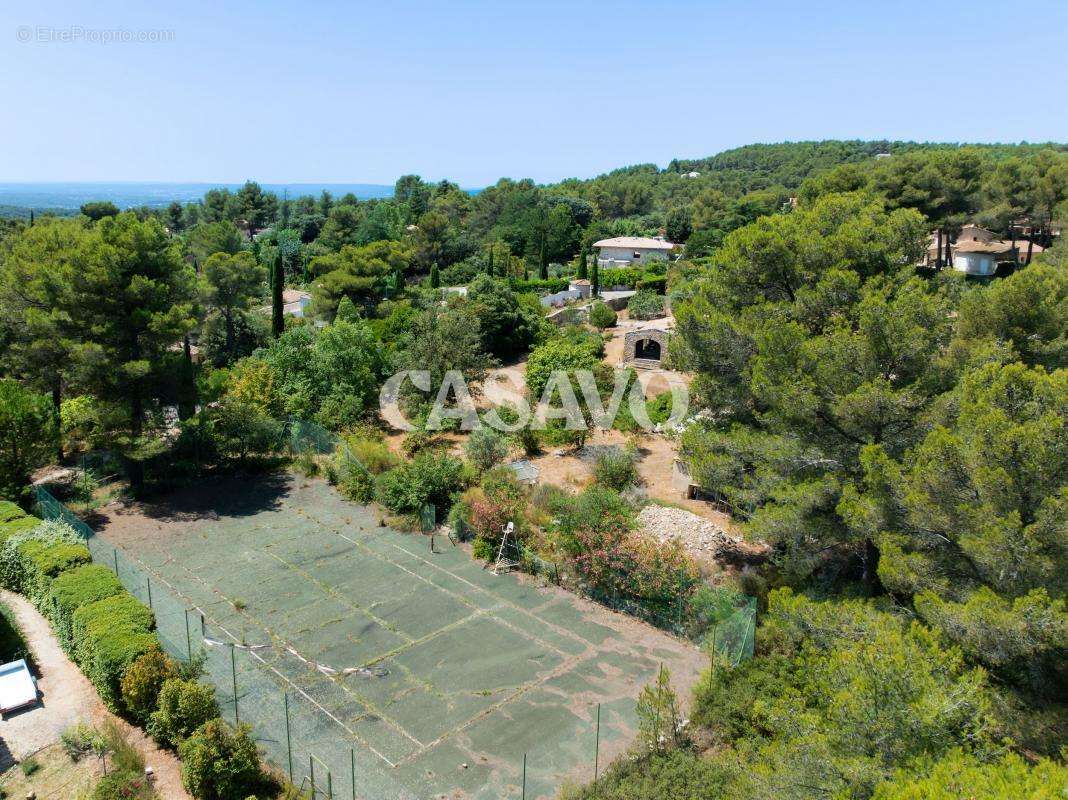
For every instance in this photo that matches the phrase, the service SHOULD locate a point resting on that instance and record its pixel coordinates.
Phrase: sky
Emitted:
(230, 90)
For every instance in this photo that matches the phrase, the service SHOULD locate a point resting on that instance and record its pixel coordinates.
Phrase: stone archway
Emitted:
(645, 347)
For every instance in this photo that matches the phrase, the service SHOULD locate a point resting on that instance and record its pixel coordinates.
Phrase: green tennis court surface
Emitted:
(455, 673)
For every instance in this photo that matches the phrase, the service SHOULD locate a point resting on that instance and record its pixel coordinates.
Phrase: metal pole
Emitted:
(289, 741)
(311, 768)
(148, 583)
(659, 700)
(597, 746)
(712, 657)
(188, 638)
(524, 776)
(233, 668)
(352, 753)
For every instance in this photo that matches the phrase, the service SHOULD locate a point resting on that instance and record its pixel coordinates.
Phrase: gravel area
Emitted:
(698, 535)
(66, 698)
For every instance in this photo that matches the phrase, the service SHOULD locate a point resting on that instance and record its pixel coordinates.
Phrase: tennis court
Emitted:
(363, 656)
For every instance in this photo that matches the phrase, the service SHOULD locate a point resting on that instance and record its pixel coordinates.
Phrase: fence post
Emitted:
(289, 741)
(148, 583)
(524, 776)
(188, 638)
(311, 769)
(233, 669)
(597, 745)
(203, 627)
(329, 785)
(115, 552)
(352, 754)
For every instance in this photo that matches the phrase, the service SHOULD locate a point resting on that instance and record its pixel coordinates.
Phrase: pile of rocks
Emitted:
(696, 534)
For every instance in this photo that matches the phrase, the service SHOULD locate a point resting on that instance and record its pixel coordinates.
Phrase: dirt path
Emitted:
(68, 698)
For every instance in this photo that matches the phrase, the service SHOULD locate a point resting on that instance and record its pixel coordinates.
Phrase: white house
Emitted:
(978, 252)
(626, 251)
(294, 302)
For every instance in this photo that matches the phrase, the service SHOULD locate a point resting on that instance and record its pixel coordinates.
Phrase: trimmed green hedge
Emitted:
(108, 636)
(79, 587)
(10, 511)
(10, 525)
(41, 563)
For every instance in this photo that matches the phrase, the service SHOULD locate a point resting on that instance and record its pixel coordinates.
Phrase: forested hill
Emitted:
(789, 163)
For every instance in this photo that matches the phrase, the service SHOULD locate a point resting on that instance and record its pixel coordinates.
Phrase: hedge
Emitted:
(70, 591)
(657, 285)
(550, 285)
(41, 562)
(12, 524)
(108, 635)
(10, 511)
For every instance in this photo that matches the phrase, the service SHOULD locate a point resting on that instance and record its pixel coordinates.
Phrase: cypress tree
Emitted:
(278, 283)
(435, 276)
(489, 266)
(595, 280)
(543, 266)
(580, 267)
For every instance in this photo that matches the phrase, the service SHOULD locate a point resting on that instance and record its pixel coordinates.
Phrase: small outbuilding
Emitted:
(645, 347)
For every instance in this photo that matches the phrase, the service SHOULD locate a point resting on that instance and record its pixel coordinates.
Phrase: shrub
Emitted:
(616, 469)
(220, 763)
(657, 284)
(73, 589)
(374, 454)
(602, 316)
(142, 682)
(14, 520)
(184, 705)
(428, 478)
(32, 557)
(356, 484)
(645, 305)
(79, 740)
(559, 354)
(123, 786)
(108, 636)
(10, 511)
(485, 448)
(481, 550)
(679, 774)
(44, 562)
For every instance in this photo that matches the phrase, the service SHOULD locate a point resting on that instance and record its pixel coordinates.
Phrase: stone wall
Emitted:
(630, 346)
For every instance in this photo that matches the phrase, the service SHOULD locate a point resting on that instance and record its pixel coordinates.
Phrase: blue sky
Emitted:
(356, 91)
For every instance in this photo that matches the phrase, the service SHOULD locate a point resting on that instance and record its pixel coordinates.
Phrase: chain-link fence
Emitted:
(299, 713)
(256, 682)
(720, 620)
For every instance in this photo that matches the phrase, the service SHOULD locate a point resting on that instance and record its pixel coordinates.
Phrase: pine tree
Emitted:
(435, 275)
(278, 323)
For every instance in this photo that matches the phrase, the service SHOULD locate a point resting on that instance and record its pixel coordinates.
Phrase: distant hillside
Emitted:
(24, 196)
(23, 212)
(789, 163)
